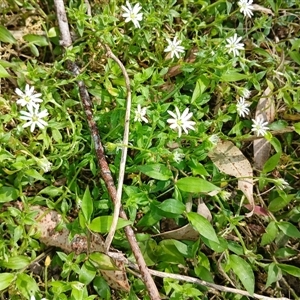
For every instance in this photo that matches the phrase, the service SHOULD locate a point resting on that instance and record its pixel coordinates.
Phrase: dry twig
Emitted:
(103, 165)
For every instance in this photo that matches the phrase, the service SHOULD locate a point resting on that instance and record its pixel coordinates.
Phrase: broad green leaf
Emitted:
(35, 39)
(280, 202)
(243, 271)
(285, 252)
(297, 127)
(87, 273)
(289, 229)
(201, 85)
(8, 193)
(292, 270)
(6, 279)
(156, 171)
(16, 262)
(203, 226)
(102, 288)
(6, 36)
(3, 72)
(295, 56)
(232, 76)
(102, 224)
(26, 285)
(235, 247)
(196, 185)
(103, 261)
(274, 274)
(34, 174)
(87, 205)
(271, 163)
(171, 208)
(270, 234)
(219, 247)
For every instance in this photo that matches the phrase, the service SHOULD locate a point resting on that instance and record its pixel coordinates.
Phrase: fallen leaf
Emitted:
(261, 147)
(230, 160)
(262, 9)
(47, 222)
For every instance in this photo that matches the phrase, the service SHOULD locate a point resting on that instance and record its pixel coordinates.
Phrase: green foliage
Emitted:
(189, 217)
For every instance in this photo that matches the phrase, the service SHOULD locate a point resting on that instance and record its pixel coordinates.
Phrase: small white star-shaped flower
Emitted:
(246, 7)
(246, 93)
(181, 121)
(140, 114)
(259, 126)
(242, 107)
(34, 118)
(28, 98)
(178, 156)
(174, 47)
(234, 45)
(132, 14)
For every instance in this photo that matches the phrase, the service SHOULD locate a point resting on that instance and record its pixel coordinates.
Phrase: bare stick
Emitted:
(114, 223)
(207, 284)
(103, 165)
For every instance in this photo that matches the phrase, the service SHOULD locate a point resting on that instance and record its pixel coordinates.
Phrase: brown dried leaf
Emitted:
(186, 232)
(230, 160)
(262, 9)
(203, 210)
(47, 222)
(265, 110)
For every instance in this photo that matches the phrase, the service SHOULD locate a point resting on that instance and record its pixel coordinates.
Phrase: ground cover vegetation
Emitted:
(195, 192)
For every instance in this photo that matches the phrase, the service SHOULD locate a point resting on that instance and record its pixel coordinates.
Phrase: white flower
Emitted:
(246, 93)
(281, 183)
(28, 98)
(45, 164)
(177, 156)
(233, 45)
(224, 195)
(34, 117)
(132, 14)
(242, 107)
(140, 114)
(174, 47)
(246, 7)
(214, 139)
(181, 121)
(259, 126)
(33, 298)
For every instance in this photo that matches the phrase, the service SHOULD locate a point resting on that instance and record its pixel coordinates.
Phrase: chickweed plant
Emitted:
(203, 75)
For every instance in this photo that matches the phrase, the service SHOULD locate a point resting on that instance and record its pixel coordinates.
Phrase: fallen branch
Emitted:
(102, 163)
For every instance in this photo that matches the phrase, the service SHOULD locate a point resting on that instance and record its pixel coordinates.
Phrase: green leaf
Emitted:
(156, 171)
(103, 261)
(34, 174)
(102, 224)
(87, 205)
(203, 226)
(280, 202)
(26, 285)
(87, 273)
(8, 193)
(289, 229)
(243, 271)
(201, 85)
(38, 40)
(292, 270)
(295, 56)
(6, 36)
(196, 185)
(219, 247)
(274, 274)
(232, 76)
(171, 208)
(3, 72)
(16, 262)
(102, 288)
(270, 234)
(271, 163)
(285, 252)
(6, 279)
(297, 127)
